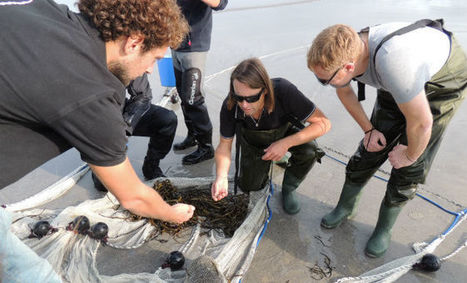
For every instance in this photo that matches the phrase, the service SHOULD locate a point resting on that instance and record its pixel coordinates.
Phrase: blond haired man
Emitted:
(420, 73)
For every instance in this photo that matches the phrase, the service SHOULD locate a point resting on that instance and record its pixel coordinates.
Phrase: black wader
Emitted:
(196, 115)
(254, 171)
(445, 92)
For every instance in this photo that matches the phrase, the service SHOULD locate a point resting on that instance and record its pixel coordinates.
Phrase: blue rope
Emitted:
(271, 185)
(457, 214)
(435, 204)
(269, 211)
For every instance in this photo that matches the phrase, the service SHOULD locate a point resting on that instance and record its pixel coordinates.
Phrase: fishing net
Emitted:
(395, 269)
(211, 251)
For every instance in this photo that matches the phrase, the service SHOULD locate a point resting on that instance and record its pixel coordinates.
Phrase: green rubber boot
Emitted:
(381, 237)
(290, 202)
(346, 207)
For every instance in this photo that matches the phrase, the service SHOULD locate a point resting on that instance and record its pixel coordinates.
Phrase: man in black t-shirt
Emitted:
(62, 85)
(267, 116)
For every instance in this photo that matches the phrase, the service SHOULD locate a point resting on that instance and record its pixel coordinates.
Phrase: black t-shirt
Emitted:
(199, 17)
(54, 80)
(288, 101)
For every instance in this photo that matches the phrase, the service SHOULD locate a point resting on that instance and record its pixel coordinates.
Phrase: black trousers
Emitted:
(160, 125)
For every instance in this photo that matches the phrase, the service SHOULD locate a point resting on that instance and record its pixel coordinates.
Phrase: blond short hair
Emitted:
(333, 47)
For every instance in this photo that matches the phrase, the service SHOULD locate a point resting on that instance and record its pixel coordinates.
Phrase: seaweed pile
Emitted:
(225, 215)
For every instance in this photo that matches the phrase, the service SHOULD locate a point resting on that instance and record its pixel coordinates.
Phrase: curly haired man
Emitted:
(62, 79)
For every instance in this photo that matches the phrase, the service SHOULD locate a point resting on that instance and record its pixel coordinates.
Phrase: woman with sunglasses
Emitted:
(267, 116)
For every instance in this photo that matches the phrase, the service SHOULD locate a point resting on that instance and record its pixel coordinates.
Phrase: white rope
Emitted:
(386, 273)
(210, 77)
(190, 243)
(455, 252)
(52, 192)
(126, 247)
(9, 3)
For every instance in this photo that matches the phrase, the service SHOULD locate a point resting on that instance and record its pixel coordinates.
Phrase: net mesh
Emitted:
(73, 256)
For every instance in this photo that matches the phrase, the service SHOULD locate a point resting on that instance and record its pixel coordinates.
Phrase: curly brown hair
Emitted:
(160, 22)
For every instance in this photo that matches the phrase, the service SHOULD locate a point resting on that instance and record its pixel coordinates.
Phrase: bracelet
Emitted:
(408, 158)
(372, 128)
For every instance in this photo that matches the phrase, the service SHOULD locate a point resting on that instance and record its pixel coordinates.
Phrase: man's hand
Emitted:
(135, 196)
(219, 188)
(374, 141)
(212, 3)
(181, 212)
(275, 151)
(399, 158)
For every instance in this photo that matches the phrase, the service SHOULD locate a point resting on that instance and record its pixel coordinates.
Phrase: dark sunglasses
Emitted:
(326, 82)
(249, 99)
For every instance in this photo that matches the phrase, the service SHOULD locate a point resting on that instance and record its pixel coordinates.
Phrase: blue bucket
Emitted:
(166, 72)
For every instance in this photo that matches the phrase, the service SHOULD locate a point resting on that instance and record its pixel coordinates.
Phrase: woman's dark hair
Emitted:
(160, 22)
(252, 73)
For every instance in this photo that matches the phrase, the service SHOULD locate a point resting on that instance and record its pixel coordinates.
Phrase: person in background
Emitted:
(189, 61)
(267, 117)
(62, 79)
(420, 73)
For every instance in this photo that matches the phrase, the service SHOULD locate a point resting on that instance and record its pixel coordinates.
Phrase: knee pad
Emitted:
(399, 194)
(191, 87)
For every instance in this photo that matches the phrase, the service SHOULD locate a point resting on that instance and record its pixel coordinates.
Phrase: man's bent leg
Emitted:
(160, 125)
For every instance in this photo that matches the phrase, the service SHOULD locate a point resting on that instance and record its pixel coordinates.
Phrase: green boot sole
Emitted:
(378, 244)
(346, 206)
(335, 217)
(381, 237)
(290, 203)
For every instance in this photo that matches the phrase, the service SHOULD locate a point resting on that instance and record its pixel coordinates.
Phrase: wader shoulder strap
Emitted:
(238, 132)
(361, 91)
(295, 122)
(437, 24)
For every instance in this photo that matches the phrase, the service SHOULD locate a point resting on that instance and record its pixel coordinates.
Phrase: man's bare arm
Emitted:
(122, 181)
(350, 101)
(419, 121)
